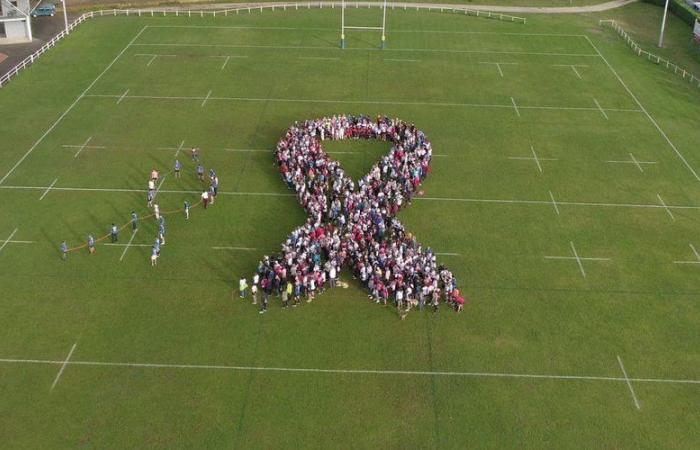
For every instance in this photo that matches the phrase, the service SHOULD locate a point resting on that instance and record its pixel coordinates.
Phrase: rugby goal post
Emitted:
(344, 27)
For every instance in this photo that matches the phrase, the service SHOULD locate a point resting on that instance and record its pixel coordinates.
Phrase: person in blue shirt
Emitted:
(187, 210)
(161, 233)
(64, 250)
(154, 256)
(134, 220)
(177, 168)
(212, 174)
(156, 246)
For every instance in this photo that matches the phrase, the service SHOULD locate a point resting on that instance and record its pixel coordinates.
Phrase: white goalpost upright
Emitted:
(344, 27)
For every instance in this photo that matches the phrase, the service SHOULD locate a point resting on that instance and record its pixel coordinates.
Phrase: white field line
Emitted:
(663, 204)
(350, 371)
(254, 150)
(409, 50)
(155, 194)
(122, 96)
(153, 58)
(204, 102)
(578, 260)
(6, 241)
(498, 66)
(70, 108)
(576, 72)
(401, 60)
(82, 147)
(63, 366)
(602, 111)
(634, 161)
(627, 380)
(643, 109)
(128, 244)
(48, 189)
(573, 67)
(245, 249)
(252, 27)
(319, 58)
(116, 244)
(515, 106)
(446, 254)
(692, 247)
(437, 199)
(179, 149)
(361, 102)
(18, 242)
(534, 155)
(554, 202)
(223, 66)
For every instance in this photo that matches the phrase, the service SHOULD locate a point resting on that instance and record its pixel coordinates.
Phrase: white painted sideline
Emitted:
(351, 371)
(70, 108)
(438, 199)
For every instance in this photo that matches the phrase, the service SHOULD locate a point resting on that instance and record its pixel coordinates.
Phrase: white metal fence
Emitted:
(650, 56)
(4, 79)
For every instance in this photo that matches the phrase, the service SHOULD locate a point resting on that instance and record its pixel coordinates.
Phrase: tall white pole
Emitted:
(342, 25)
(384, 26)
(663, 26)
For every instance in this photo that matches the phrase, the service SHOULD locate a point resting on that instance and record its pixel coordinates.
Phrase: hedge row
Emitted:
(679, 8)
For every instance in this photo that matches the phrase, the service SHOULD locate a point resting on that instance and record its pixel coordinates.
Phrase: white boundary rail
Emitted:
(243, 9)
(650, 56)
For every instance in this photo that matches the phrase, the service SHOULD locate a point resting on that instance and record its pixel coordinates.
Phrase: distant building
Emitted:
(15, 21)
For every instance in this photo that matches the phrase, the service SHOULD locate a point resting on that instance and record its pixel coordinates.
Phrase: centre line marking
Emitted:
(63, 366)
(122, 97)
(634, 161)
(668, 210)
(554, 202)
(401, 60)
(8, 239)
(223, 66)
(321, 58)
(128, 244)
(579, 259)
(179, 149)
(695, 252)
(204, 102)
(48, 189)
(629, 385)
(515, 106)
(245, 249)
(602, 111)
(82, 147)
(534, 157)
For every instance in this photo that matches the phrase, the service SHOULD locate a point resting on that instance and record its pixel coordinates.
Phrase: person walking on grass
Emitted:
(114, 233)
(187, 210)
(205, 199)
(177, 168)
(64, 250)
(156, 211)
(254, 293)
(154, 256)
(200, 172)
(161, 232)
(91, 244)
(134, 221)
(195, 154)
(149, 199)
(242, 287)
(212, 196)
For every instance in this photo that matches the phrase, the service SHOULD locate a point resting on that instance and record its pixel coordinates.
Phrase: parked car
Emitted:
(45, 9)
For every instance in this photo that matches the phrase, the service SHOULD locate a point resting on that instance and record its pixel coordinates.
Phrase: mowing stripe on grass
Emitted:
(437, 199)
(48, 189)
(350, 371)
(651, 119)
(627, 380)
(70, 108)
(411, 50)
(364, 102)
(63, 367)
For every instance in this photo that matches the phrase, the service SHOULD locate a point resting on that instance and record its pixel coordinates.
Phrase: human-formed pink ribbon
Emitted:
(356, 223)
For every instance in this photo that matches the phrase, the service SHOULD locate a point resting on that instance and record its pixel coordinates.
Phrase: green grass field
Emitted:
(104, 351)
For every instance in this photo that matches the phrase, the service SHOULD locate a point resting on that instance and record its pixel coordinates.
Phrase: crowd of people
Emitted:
(354, 223)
